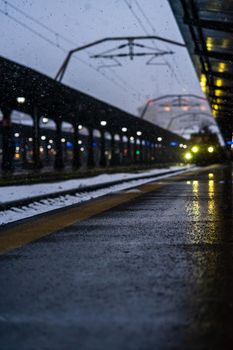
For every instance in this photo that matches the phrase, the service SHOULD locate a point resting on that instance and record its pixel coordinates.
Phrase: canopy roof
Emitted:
(207, 27)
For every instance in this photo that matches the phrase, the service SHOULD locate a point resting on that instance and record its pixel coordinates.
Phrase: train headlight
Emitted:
(188, 156)
(210, 149)
(195, 149)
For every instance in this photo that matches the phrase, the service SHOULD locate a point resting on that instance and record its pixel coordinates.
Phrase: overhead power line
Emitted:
(52, 42)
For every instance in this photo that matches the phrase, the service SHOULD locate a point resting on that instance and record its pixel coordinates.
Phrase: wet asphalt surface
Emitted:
(155, 273)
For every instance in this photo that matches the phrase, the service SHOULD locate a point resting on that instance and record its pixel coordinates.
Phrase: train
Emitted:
(205, 149)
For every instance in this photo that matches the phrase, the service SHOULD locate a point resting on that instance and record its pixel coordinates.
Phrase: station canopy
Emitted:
(207, 28)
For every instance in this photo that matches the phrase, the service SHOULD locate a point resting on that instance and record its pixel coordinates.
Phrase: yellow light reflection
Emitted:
(195, 186)
(210, 175)
(211, 194)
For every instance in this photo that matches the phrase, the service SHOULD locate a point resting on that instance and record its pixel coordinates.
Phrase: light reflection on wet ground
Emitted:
(156, 273)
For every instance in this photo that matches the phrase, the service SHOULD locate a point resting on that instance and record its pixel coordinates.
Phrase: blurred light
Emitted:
(137, 152)
(103, 123)
(167, 109)
(50, 141)
(17, 149)
(45, 120)
(185, 108)
(185, 146)
(195, 149)
(209, 43)
(210, 175)
(63, 140)
(173, 143)
(94, 145)
(17, 156)
(181, 145)
(30, 139)
(49, 146)
(159, 139)
(203, 82)
(131, 138)
(16, 134)
(41, 149)
(124, 129)
(80, 142)
(229, 142)
(218, 82)
(21, 99)
(188, 156)
(139, 133)
(188, 182)
(69, 144)
(210, 149)
(82, 149)
(43, 137)
(221, 67)
(80, 126)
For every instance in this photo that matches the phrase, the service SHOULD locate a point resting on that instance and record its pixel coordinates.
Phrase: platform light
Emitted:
(16, 134)
(20, 99)
(159, 139)
(80, 142)
(80, 127)
(103, 123)
(124, 129)
(188, 156)
(43, 137)
(50, 141)
(139, 133)
(195, 149)
(210, 149)
(63, 140)
(45, 120)
(167, 109)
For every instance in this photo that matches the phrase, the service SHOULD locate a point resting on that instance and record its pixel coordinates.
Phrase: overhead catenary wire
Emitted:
(51, 42)
(146, 31)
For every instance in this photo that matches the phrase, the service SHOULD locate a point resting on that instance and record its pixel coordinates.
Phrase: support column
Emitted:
(102, 150)
(76, 162)
(36, 140)
(121, 149)
(90, 159)
(141, 152)
(113, 157)
(129, 154)
(59, 162)
(135, 151)
(8, 144)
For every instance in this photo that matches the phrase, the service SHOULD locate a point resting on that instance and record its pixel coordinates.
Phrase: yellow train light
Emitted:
(188, 156)
(210, 149)
(195, 149)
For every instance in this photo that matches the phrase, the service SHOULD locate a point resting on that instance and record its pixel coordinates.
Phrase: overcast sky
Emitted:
(83, 21)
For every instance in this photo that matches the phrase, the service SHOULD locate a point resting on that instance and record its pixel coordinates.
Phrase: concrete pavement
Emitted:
(154, 272)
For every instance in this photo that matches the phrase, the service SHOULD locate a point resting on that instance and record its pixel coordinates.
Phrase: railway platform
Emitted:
(146, 268)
